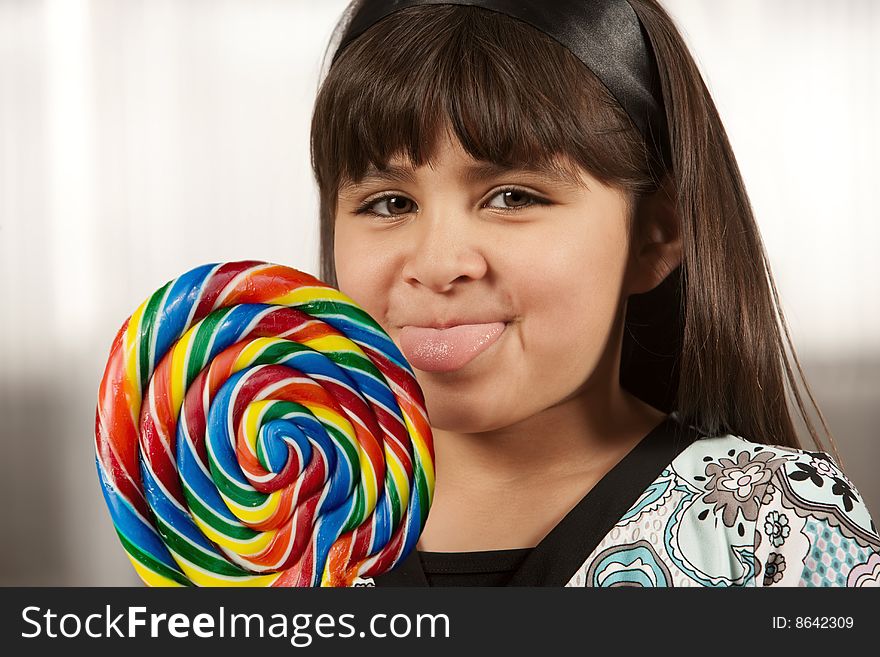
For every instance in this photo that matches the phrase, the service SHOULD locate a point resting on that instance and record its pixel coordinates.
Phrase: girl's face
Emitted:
(533, 264)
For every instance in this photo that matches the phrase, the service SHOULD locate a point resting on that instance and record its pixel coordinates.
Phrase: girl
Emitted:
(539, 204)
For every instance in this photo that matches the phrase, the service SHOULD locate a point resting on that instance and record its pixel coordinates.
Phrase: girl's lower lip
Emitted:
(446, 350)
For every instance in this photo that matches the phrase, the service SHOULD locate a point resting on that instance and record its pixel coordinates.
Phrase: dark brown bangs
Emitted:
(510, 95)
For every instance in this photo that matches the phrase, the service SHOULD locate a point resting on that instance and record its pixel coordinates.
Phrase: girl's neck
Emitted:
(507, 489)
(574, 437)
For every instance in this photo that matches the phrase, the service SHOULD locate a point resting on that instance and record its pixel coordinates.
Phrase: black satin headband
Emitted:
(606, 35)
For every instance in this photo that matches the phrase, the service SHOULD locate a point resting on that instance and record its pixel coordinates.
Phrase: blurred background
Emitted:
(140, 139)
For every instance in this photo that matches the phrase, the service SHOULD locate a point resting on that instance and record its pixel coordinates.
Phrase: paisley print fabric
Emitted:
(730, 512)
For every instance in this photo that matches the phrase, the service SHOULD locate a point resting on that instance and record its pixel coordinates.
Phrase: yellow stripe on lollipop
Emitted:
(253, 351)
(254, 545)
(201, 577)
(304, 295)
(398, 476)
(179, 357)
(253, 515)
(151, 578)
(132, 361)
(333, 343)
(252, 419)
(421, 447)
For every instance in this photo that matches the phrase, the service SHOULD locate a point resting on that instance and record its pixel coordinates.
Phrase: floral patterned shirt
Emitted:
(730, 512)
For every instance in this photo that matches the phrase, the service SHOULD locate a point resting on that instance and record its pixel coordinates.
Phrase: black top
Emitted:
(555, 560)
(484, 568)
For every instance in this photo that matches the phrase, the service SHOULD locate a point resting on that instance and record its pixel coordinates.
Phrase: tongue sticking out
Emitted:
(445, 350)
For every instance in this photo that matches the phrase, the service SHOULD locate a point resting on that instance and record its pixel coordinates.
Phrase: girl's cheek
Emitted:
(364, 273)
(349, 269)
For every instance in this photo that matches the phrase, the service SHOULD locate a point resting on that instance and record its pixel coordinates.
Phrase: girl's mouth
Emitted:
(448, 349)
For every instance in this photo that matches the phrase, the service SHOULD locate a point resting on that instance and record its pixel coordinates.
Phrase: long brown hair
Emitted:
(710, 341)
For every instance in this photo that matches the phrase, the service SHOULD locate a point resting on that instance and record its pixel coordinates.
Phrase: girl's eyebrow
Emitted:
(391, 173)
(472, 173)
(483, 171)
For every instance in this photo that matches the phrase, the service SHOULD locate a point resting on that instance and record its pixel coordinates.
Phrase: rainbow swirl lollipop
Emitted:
(256, 427)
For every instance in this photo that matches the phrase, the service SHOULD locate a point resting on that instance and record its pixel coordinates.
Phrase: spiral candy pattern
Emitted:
(256, 427)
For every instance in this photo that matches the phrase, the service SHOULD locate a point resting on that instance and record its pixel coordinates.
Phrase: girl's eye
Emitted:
(396, 203)
(517, 197)
(513, 199)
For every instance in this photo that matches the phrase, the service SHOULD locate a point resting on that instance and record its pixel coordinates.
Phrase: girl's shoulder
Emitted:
(811, 526)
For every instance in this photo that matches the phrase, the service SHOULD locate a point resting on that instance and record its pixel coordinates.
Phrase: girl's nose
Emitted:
(444, 252)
